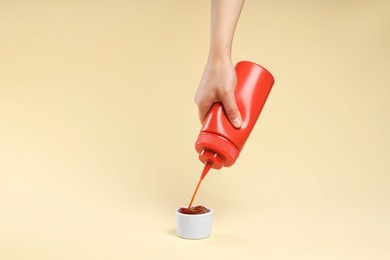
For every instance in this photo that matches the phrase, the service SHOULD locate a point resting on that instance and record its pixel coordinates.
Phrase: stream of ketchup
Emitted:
(197, 209)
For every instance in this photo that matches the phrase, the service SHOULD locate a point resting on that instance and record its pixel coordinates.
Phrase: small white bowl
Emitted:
(194, 226)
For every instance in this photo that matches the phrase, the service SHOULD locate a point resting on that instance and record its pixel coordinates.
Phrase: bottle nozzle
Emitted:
(210, 157)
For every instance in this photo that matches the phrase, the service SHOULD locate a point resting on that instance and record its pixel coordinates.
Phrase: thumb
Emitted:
(231, 109)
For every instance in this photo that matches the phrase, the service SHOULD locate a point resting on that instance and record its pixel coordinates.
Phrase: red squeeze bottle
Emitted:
(219, 143)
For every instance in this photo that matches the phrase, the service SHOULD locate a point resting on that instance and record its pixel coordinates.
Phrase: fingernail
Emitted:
(236, 122)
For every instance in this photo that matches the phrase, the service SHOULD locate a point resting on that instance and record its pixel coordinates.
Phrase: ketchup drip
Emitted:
(197, 209)
(206, 169)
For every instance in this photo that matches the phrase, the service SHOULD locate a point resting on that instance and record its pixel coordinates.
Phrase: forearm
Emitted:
(224, 18)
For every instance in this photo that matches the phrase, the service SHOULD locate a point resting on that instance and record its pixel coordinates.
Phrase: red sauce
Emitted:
(206, 169)
(194, 210)
(198, 209)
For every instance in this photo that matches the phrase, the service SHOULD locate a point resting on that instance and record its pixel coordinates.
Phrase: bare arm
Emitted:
(218, 82)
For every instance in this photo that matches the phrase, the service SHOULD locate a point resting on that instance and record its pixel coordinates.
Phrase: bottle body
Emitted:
(218, 141)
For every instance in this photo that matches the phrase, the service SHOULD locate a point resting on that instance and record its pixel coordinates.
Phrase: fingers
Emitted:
(218, 84)
(231, 109)
(203, 109)
(229, 104)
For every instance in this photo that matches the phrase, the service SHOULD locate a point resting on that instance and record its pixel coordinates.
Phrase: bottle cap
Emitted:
(216, 149)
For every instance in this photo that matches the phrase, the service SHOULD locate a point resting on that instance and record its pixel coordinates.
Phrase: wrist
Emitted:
(219, 56)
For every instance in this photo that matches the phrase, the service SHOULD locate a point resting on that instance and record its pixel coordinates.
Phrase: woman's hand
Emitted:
(218, 84)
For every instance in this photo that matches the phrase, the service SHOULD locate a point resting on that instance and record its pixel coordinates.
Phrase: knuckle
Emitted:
(196, 100)
(223, 92)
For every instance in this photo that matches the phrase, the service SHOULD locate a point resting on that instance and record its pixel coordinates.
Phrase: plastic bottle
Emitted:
(219, 144)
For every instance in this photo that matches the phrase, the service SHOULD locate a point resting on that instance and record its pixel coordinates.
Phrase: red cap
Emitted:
(216, 149)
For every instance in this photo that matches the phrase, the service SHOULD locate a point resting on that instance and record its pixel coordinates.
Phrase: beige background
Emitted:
(98, 123)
